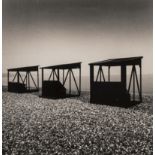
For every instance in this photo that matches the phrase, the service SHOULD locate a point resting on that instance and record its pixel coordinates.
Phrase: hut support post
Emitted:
(137, 82)
(58, 75)
(25, 80)
(100, 69)
(38, 79)
(53, 74)
(21, 78)
(14, 77)
(109, 73)
(123, 75)
(42, 76)
(8, 77)
(63, 76)
(134, 83)
(91, 80)
(69, 81)
(33, 80)
(98, 74)
(80, 81)
(50, 76)
(18, 76)
(140, 82)
(29, 80)
(75, 82)
(102, 74)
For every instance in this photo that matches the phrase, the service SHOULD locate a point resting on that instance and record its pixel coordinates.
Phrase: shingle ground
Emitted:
(33, 126)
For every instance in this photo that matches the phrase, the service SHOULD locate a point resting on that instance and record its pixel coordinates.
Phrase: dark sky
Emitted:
(50, 32)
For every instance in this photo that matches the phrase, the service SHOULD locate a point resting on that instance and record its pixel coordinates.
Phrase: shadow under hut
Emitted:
(61, 80)
(125, 92)
(23, 80)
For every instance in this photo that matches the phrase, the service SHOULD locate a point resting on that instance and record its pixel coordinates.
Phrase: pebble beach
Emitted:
(72, 126)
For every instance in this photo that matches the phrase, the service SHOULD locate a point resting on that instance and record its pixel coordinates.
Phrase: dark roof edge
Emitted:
(116, 59)
(27, 68)
(69, 65)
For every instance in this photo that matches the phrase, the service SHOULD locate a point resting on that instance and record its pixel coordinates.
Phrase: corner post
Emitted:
(91, 81)
(134, 83)
(123, 75)
(8, 79)
(69, 81)
(109, 73)
(80, 80)
(38, 78)
(140, 82)
(42, 78)
(58, 74)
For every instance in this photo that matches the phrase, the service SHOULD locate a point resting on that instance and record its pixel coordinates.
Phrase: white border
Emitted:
(153, 76)
(1, 76)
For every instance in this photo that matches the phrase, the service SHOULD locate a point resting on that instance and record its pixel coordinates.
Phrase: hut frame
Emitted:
(67, 73)
(23, 84)
(134, 80)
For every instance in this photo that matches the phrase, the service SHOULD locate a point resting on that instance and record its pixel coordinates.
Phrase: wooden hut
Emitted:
(54, 87)
(20, 84)
(105, 91)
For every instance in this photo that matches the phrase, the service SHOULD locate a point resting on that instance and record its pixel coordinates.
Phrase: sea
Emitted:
(147, 82)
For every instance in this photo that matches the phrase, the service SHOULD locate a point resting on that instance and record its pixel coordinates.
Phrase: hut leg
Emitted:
(27, 84)
(130, 80)
(8, 76)
(50, 76)
(100, 73)
(123, 76)
(109, 73)
(42, 72)
(18, 76)
(28, 80)
(91, 82)
(134, 84)
(53, 75)
(8, 79)
(63, 76)
(140, 83)
(138, 87)
(38, 79)
(80, 81)
(33, 80)
(14, 77)
(69, 82)
(21, 78)
(75, 82)
(58, 75)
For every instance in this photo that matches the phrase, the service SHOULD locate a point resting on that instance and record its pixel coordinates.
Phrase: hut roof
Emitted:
(24, 69)
(119, 62)
(64, 66)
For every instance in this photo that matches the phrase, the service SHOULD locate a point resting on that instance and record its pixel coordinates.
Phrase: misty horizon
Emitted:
(147, 81)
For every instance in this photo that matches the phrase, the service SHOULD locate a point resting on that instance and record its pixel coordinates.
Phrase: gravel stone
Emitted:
(73, 126)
